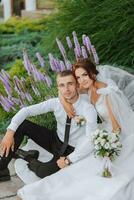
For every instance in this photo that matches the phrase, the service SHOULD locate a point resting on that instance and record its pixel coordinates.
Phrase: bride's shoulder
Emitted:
(100, 85)
(106, 88)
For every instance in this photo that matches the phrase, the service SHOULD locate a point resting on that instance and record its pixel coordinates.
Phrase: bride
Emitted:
(83, 181)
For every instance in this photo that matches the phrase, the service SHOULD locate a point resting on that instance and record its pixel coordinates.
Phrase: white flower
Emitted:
(80, 120)
(103, 141)
(106, 146)
(118, 144)
(113, 145)
(83, 123)
(113, 137)
(97, 147)
(96, 142)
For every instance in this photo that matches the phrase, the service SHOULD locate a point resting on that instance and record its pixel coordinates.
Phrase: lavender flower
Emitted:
(41, 60)
(5, 75)
(68, 64)
(69, 43)
(77, 45)
(83, 39)
(34, 88)
(6, 84)
(62, 65)
(48, 81)
(52, 63)
(96, 58)
(62, 49)
(36, 91)
(84, 52)
(35, 72)
(6, 103)
(88, 44)
(57, 64)
(27, 95)
(18, 90)
(27, 63)
(75, 52)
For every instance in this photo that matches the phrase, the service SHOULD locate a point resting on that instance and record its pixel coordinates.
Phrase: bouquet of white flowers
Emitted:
(107, 146)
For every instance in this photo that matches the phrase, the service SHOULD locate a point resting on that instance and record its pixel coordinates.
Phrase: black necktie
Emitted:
(66, 136)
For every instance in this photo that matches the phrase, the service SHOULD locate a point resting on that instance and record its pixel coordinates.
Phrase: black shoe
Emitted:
(26, 155)
(4, 175)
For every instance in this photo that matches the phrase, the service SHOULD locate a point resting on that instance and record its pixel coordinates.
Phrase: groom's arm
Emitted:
(37, 109)
(33, 110)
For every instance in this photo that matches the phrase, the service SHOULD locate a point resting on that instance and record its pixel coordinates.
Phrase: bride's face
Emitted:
(83, 78)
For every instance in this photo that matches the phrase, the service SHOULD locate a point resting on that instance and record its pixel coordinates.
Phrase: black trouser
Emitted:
(44, 137)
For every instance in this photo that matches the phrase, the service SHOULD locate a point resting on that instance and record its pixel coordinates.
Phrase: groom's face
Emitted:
(67, 87)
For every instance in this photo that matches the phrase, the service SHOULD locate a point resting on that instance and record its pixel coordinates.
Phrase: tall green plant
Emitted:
(109, 24)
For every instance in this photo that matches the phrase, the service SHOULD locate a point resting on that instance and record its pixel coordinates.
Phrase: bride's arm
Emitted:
(67, 106)
(115, 125)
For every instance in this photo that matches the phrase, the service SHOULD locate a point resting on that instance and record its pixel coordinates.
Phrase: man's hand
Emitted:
(61, 162)
(7, 143)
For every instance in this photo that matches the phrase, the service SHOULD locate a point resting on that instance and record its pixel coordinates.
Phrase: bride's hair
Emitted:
(88, 66)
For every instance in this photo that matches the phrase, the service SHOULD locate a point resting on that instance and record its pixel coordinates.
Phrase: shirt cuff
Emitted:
(12, 126)
(73, 157)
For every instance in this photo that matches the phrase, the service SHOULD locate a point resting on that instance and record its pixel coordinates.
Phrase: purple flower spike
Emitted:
(96, 58)
(5, 75)
(27, 63)
(35, 72)
(8, 89)
(68, 64)
(52, 63)
(62, 49)
(36, 91)
(62, 65)
(69, 43)
(88, 44)
(48, 81)
(75, 52)
(6, 103)
(57, 64)
(41, 60)
(6, 85)
(84, 39)
(77, 45)
(29, 97)
(84, 53)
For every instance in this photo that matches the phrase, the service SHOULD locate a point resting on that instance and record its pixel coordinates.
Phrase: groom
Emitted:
(71, 141)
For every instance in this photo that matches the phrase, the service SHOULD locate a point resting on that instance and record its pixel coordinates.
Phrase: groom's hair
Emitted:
(65, 73)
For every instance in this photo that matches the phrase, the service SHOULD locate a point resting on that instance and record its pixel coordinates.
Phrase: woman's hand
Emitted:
(7, 143)
(68, 107)
(117, 130)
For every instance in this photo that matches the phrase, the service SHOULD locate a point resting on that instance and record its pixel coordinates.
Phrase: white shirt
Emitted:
(79, 137)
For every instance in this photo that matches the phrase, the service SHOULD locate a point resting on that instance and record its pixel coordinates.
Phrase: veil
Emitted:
(123, 79)
(121, 95)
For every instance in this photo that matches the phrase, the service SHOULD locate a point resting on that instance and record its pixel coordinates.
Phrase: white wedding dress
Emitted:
(83, 180)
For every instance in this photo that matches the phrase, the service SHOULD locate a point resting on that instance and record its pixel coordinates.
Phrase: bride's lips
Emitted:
(84, 84)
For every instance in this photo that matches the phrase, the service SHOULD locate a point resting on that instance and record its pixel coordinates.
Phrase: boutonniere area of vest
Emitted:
(80, 120)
